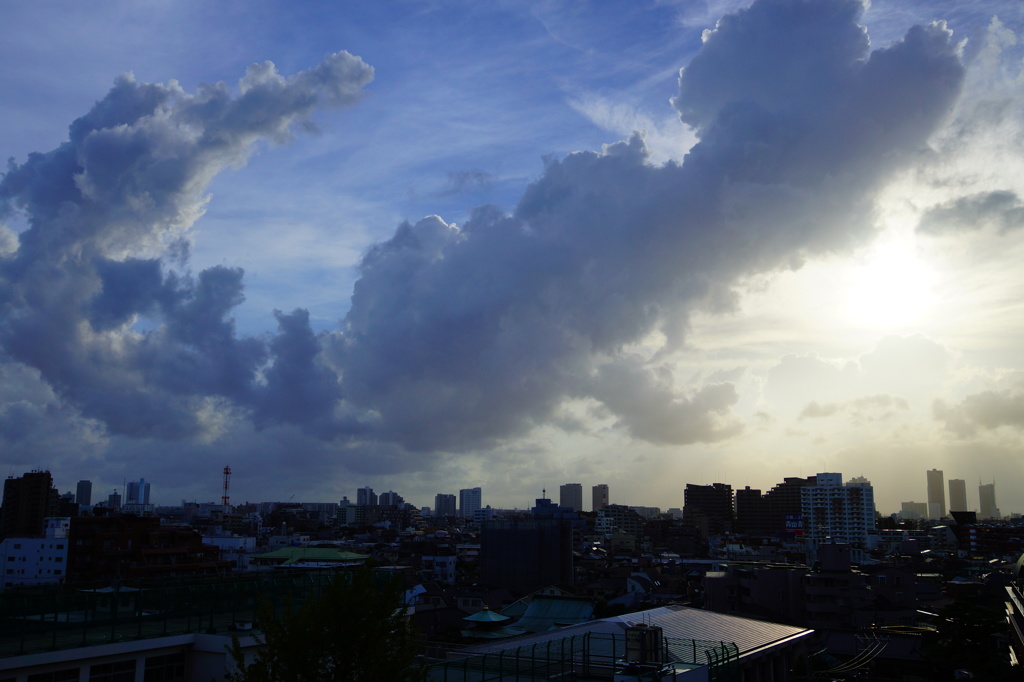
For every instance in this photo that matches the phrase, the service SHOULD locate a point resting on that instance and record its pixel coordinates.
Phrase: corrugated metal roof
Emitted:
(677, 622)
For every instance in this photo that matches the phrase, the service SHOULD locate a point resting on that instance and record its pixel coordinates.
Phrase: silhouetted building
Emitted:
(27, 502)
(137, 492)
(958, 495)
(444, 505)
(571, 495)
(83, 495)
(599, 496)
(365, 497)
(936, 495)
(987, 508)
(115, 546)
(752, 512)
(709, 506)
(784, 502)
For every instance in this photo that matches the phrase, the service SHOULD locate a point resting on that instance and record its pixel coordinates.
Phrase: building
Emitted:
(365, 497)
(958, 495)
(936, 495)
(83, 495)
(987, 501)
(36, 561)
(27, 502)
(137, 492)
(841, 513)
(912, 511)
(783, 504)
(470, 500)
(751, 512)
(526, 555)
(444, 505)
(390, 499)
(571, 495)
(600, 498)
(709, 507)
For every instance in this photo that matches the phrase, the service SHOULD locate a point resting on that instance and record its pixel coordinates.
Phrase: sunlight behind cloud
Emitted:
(893, 289)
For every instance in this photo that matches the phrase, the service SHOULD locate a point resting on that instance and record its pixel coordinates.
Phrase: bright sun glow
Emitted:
(892, 289)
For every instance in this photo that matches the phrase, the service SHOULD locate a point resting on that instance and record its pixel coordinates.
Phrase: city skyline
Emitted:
(334, 263)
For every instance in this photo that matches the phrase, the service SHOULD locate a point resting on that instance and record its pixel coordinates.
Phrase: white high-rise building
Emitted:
(571, 495)
(470, 499)
(599, 496)
(831, 510)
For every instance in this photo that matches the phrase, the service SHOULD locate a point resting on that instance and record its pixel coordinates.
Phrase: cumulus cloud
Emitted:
(460, 337)
(101, 210)
(987, 410)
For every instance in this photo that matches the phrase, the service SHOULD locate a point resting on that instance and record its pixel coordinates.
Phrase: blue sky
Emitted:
(737, 315)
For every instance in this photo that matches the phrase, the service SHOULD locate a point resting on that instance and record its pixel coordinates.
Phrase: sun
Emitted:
(892, 289)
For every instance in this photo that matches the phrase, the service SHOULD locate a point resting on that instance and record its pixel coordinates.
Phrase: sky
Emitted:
(425, 246)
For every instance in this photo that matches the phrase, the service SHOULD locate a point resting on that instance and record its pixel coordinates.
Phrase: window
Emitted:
(66, 675)
(122, 671)
(169, 668)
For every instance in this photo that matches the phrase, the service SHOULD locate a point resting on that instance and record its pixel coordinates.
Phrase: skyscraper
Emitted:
(83, 495)
(987, 501)
(571, 495)
(137, 492)
(936, 495)
(444, 505)
(600, 496)
(470, 499)
(958, 495)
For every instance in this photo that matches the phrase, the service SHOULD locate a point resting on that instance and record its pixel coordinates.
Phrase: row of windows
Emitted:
(168, 668)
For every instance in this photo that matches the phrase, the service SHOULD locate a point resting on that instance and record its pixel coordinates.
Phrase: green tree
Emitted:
(353, 631)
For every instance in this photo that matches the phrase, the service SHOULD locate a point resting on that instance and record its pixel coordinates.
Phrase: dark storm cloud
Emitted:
(1001, 210)
(459, 337)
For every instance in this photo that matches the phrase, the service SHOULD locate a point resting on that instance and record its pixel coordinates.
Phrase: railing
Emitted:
(587, 656)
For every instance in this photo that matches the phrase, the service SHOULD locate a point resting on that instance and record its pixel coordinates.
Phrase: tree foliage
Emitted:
(353, 631)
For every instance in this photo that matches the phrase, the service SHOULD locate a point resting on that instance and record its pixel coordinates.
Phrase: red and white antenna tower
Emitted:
(227, 484)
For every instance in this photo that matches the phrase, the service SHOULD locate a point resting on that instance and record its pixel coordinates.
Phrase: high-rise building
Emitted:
(987, 501)
(751, 512)
(784, 504)
(390, 499)
(365, 497)
(137, 492)
(599, 496)
(936, 495)
(958, 495)
(470, 499)
(570, 495)
(709, 507)
(114, 500)
(83, 495)
(27, 502)
(444, 505)
(842, 513)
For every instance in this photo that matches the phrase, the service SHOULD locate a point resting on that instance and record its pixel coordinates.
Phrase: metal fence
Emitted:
(590, 656)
